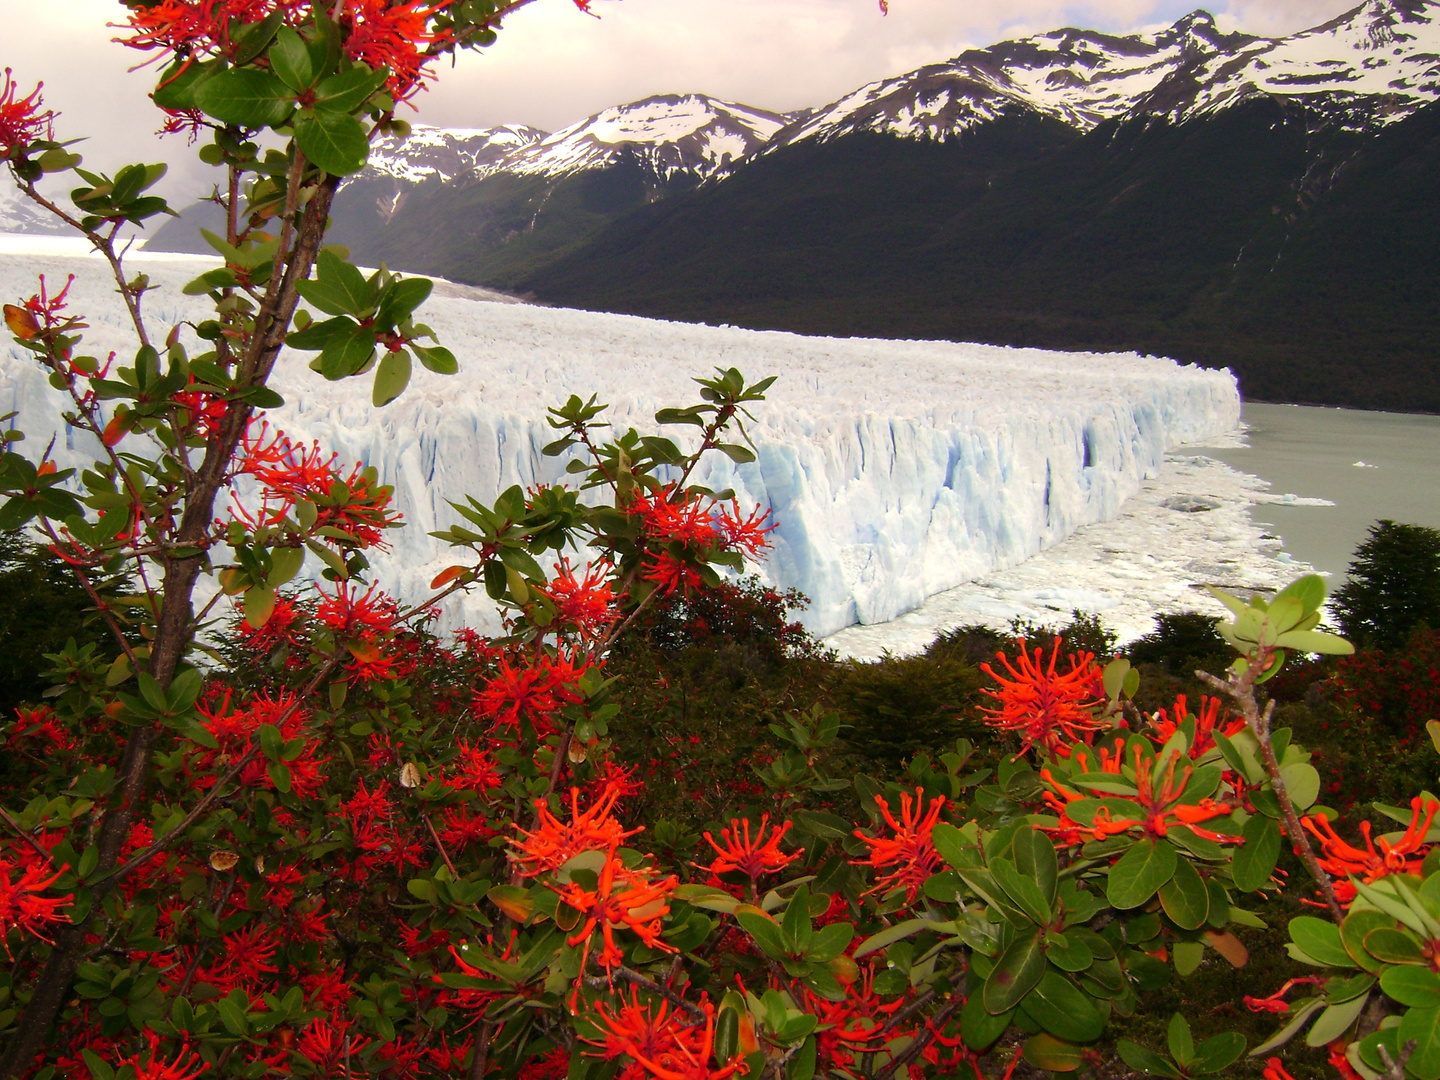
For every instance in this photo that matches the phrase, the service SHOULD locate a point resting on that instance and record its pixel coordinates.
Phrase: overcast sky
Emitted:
(554, 65)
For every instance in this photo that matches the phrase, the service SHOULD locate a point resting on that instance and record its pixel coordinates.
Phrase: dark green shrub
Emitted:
(1394, 585)
(41, 607)
(1182, 642)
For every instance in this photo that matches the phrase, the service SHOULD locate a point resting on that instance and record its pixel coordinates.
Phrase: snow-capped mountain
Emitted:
(430, 153)
(1076, 76)
(1371, 66)
(672, 133)
(1374, 64)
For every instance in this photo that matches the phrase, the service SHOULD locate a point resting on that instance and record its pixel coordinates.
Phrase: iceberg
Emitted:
(894, 469)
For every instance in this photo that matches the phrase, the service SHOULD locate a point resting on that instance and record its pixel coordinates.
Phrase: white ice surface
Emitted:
(896, 470)
(1185, 529)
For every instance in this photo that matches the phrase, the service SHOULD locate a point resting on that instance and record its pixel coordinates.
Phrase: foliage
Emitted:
(1393, 586)
(41, 606)
(303, 835)
(1181, 642)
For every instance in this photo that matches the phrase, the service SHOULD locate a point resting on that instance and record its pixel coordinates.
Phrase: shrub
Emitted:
(1393, 586)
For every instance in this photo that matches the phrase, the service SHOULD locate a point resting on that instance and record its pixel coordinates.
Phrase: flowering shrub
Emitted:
(314, 839)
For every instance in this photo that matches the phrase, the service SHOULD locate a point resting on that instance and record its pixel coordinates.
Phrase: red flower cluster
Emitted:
(186, 1066)
(910, 854)
(1344, 860)
(623, 897)
(22, 120)
(1158, 804)
(533, 693)
(22, 907)
(355, 505)
(1049, 708)
(234, 732)
(659, 1043)
(553, 843)
(1207, 721)
(751, 856)
(381, 33)
(587, 604)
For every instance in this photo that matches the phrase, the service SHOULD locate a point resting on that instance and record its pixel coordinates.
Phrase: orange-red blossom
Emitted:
(1157, 809)
(752, 856)
(555, 842)
(22, 907)
(1047, 707)
(910, 854)
(1345, 860)
(621, 898)
(659, 1044)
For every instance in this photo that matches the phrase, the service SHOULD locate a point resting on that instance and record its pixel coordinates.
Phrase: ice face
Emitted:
(895, 469)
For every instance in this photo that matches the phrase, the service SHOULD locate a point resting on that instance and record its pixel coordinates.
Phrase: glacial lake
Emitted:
(1371, 465)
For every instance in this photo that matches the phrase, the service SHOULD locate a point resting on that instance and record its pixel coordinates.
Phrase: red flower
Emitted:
(1275, 1070)
(395, 36)
(1048, 707)
(587, 604)
(186, 1066)
(670, 572)
(554, 842)
(327, 1043)
(1344, 860)
(1206, 721)
(534, 693)
(21, 906)
(752, 857)
(750, 534)
(664, 1045)
(910, 853)
(21, 119)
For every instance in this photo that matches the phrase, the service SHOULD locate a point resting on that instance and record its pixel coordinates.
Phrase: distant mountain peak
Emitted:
(672, 132)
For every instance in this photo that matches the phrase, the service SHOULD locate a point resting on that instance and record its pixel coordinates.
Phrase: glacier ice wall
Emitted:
(896, 469)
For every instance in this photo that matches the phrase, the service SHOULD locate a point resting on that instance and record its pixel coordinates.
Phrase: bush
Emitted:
(1182, 642)
(1394, 585)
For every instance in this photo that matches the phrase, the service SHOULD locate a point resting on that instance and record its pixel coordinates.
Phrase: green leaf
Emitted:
(1180, 1041)
(890, 935)
(1187, 956)
(1302, 782)
(1414, 986)
(259, 606)
(247, 97)
(1145, 1061)
(1017, 972)
(1394, 946)
(1309, 590)
(401, 299)
(177, 85)
(1024, 892)
(1313, 641)
(765, 931)
(980, 1028)
(829, 942)
(1185, 898)
(391, 377)
(348, 90)
(1140, 872)
(1035, 858)
(1063, 1009)
(1255, 860)
(290, 60)
(334, 141)
(1335, 1021)
(1218, 1053)
(1423, 1026)
(437, 359)
(1044, 1051)
(1320, 939)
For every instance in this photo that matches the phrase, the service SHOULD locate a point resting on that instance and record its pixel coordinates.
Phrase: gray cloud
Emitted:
(554, 65)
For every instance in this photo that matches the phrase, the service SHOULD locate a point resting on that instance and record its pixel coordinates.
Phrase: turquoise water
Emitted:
(1313, 452)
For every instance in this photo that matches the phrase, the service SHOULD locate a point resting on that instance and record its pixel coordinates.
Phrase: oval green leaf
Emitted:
(1140, 872)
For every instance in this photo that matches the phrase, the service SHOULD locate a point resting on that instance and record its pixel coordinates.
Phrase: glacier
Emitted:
(895, 469)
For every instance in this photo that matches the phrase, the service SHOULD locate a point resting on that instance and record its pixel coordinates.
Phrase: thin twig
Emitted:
(932, 1028)
(443, 853)
(15, 825)
(602, 982)
(1242, 689)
